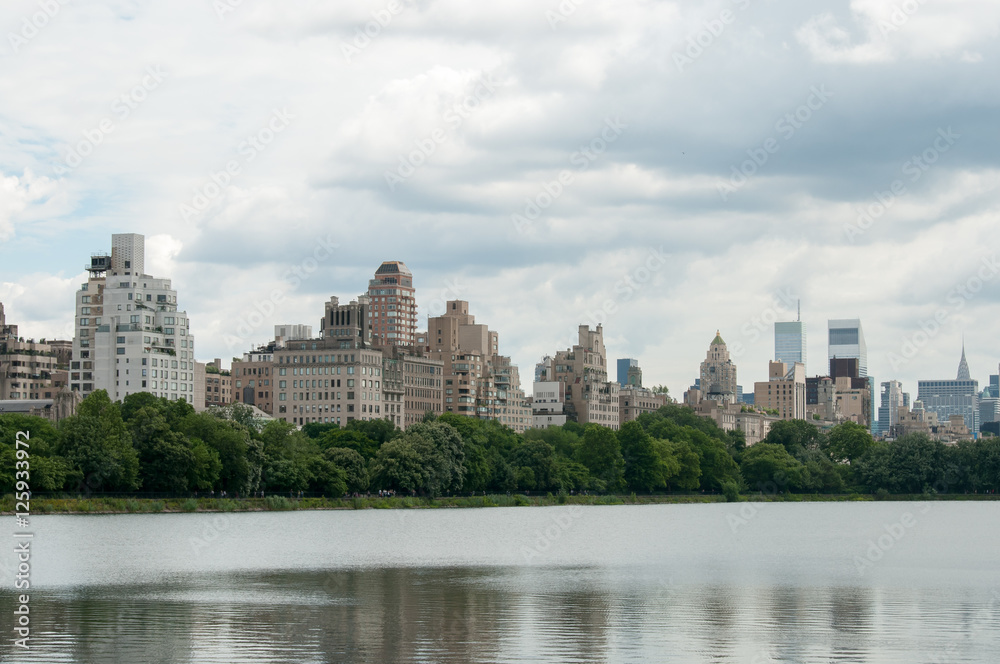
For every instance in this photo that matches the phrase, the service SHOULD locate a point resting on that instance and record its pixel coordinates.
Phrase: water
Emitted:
(750, 583)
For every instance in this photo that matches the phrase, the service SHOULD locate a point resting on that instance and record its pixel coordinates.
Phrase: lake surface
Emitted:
(748, 583)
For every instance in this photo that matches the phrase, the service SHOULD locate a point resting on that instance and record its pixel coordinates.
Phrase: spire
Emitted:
(963, 366)
(718, 339)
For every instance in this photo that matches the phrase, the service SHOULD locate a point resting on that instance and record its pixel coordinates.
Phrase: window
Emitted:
(121, 351)
(85, 299)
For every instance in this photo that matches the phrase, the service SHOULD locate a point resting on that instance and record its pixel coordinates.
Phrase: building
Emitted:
(847, 340)
(423, 389)
(790, 342)
(286, 333)
(317, 381)
(349, 325)
(130, 335)
(218, 385)
(785, 391)
(393, 305)
(892, 399)
(253, 378)
(29, 369)
(548, 404)
(718, 373)
(583, 371)
(478, 381)
(634, 400)
(952, 397)
(624, 366)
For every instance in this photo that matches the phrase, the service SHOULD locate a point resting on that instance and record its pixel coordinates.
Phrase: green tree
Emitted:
(398, 466)
(442, 454)
(601, 453)
(165, 457)
(848, 441)
(794, 435)
(643, 472)
(97, 443)
(768, 467)
(354, 467)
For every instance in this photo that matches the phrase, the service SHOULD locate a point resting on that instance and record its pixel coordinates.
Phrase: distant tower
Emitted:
(847, 340)
(718, 373)
(393, 305)
(963, 366)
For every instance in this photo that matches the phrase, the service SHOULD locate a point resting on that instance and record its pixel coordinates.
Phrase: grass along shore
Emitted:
(104, 505)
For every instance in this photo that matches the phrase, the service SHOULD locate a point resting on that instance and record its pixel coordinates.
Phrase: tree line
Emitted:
(149, 444)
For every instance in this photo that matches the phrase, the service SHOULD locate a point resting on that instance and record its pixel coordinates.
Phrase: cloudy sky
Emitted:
(668, 168)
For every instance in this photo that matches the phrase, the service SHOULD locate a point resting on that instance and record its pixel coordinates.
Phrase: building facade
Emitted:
(393, 305)
(846, 339)
(253, 378)
(317, 381)
(130, 335)
(785, 391)
(583, 371)
(718, 373)
(790, 342)
(548, 404)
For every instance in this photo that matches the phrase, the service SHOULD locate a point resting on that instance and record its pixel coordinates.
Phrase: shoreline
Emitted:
(104, 505)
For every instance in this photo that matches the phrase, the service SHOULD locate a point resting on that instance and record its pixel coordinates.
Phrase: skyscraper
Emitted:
(892, 400)
(790, 342)
(953, 397)
(130, 336)
(847, 340)
(624, 364)
(393, 305)
(718, 373)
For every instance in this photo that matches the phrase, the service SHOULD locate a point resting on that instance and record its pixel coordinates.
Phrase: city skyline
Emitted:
(755, 334)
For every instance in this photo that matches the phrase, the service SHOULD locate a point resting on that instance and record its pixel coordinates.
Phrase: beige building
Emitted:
(785, 391)
(478, 381)
(317, 381)
(393, 302)
(253, 378)
(583, 370)
(634, 400)
(718, 373)
(30, 369)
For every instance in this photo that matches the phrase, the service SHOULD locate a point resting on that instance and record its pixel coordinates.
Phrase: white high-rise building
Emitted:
(130, 336)
(847, 340)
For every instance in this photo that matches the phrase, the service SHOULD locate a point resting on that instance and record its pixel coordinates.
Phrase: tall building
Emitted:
(790, 342)
(393, 305)
(847, 340)
(952, 397)
(348, 325)
(718, 373)
(478, 380)
(583, 371)
(785, 391)
(624, 365)
(130, 336)
(893, 400)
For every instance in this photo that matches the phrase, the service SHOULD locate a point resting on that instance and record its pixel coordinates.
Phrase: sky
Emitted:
(667, 169)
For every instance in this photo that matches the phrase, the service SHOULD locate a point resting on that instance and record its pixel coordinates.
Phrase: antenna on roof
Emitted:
(798, 316)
